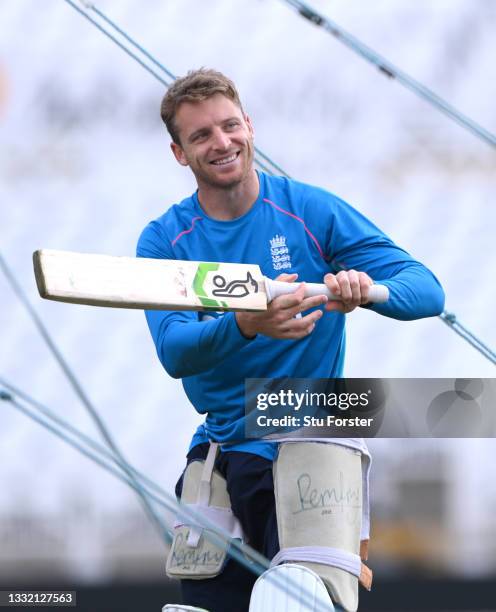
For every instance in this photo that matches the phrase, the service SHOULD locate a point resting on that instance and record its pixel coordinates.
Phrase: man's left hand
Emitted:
(351, 286)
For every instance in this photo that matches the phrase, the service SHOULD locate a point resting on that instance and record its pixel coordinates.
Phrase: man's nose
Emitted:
(221, 139)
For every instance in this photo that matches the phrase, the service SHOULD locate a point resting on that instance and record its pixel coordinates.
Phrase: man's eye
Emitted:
(232, 124)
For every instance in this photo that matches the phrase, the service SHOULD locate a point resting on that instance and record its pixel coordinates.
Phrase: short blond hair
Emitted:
(196, 86)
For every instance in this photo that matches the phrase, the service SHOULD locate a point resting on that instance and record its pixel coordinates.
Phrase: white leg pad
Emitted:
(290, 588)
(318, 490)
(193, 554)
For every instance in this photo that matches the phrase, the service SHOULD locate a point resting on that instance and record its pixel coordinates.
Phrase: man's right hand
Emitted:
(279, 321)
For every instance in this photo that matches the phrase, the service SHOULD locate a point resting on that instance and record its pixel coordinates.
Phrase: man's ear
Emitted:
(249, 124)
(179, 154)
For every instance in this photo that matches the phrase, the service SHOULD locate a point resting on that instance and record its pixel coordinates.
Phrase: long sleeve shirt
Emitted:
(291, 227)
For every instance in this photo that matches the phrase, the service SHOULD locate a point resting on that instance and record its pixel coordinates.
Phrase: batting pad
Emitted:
(318, 490)
(193, 555)
(290, 588)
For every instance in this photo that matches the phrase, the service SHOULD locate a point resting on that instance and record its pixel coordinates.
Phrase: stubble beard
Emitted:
(207, 179)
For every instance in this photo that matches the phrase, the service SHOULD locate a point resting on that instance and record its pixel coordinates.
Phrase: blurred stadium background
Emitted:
(84, 165)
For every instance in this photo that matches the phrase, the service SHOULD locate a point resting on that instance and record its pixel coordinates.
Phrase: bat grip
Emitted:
(377, 293)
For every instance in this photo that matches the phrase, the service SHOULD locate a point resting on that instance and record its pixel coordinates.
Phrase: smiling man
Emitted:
(216, 142)
(290, 229)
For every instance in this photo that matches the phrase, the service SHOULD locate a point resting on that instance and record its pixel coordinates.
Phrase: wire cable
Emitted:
(452, 322)
(310, 14)
(77, 387)
(117, 42)
(263, 161)
(128, 474)
(244, 554)
(391, 71)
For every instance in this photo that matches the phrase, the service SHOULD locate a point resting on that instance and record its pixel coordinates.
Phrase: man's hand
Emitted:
(352, 286)
(278, 321)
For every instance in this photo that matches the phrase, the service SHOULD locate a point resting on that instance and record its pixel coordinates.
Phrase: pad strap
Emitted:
(335, 557)
(204, 490)
(221, 517)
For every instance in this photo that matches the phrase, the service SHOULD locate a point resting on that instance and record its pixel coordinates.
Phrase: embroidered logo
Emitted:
(281, 259)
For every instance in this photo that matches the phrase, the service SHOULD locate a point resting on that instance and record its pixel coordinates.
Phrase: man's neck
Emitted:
(230, 203)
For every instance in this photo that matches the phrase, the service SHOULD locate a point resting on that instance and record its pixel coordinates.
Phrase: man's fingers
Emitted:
(290, 300)
(350, 286)
(334, 306)
(365, 283)
(301, 327)
(306, 304)
(340, 285)
(332, 284)
(354, 281)
(287, 278)
(345, 285)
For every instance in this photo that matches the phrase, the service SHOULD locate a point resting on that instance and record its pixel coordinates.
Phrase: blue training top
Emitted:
(292, 227)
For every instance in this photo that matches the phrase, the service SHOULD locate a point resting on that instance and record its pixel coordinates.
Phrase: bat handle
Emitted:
(377, 293)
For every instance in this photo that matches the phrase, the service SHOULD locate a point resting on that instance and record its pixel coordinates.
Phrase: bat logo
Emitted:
(235, 288)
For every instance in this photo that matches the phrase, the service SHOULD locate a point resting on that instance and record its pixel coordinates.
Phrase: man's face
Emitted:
(216, 141)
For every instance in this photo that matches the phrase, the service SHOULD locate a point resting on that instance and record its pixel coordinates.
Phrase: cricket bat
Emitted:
(163, 284)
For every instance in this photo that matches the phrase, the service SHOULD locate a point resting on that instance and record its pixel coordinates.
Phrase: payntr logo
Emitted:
(281, 259)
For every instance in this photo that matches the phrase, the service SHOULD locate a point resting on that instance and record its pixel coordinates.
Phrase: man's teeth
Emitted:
(226, 160)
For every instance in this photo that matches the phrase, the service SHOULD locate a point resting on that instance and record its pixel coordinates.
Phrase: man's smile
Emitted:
(225, 160)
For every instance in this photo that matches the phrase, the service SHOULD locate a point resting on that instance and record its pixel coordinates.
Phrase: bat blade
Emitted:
(157, 284)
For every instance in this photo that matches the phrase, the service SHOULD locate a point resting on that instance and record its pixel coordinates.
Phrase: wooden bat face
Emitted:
(159, 284)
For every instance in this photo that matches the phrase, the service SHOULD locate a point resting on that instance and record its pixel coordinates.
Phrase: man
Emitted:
(292, 231)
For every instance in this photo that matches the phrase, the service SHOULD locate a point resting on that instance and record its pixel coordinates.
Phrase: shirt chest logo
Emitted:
(281, 257)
